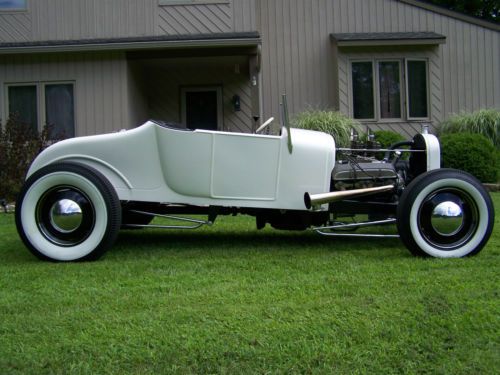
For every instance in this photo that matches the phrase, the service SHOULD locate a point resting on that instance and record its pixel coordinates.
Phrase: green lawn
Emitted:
(230, 299)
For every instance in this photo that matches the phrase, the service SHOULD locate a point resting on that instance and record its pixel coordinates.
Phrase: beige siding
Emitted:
(194, 19)
(245, 15)
(235, 15)
(137, 105)
(100, 85)
(78, 19)
(298, 57)
(15, 27)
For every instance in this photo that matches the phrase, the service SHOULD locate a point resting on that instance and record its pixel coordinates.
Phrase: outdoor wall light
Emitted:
(236, 103)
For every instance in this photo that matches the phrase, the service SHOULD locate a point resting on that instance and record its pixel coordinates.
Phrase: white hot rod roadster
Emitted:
(80, 192)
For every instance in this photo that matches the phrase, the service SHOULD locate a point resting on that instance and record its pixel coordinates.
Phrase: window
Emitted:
(381, 89)
(12, 5)
(416, 71)
(362, 89)
(60, 109)
(40, 104)
(390, 89)
(23, 104)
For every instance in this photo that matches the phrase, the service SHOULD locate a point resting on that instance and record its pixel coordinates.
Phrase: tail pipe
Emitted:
(319, 199)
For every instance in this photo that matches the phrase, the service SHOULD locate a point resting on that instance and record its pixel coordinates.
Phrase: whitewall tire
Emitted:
(445, 213)
(68, 212)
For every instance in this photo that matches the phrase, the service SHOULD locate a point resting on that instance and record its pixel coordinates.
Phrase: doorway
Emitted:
(201, 107)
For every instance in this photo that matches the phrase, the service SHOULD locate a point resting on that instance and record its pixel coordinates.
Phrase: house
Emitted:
(89, 66)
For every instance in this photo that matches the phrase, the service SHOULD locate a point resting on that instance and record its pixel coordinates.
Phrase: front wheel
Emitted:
(445, 213)
(68, 212)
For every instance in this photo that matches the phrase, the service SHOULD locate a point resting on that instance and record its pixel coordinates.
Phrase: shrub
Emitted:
(472, 153)
(335, 123)
(485, 122)
(387, 138)
(19, 145)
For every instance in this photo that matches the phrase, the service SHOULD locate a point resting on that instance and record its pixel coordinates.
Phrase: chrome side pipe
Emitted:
(195, 222)
(319, 199)
(323, 230)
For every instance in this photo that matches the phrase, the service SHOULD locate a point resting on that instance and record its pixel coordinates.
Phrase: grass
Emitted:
(229, 299)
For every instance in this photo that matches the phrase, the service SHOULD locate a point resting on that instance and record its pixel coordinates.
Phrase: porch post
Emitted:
(254, 71)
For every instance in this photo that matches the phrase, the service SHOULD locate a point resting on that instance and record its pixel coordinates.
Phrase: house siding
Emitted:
(75, 19)
(195, 19)
(100, 91)
(298, 58)
(90, 19)
(15, 27)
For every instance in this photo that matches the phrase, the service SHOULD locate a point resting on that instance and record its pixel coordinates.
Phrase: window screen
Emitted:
(390, 89)
(60, 110)
(417, 89)
(362, 90)
(23, 105)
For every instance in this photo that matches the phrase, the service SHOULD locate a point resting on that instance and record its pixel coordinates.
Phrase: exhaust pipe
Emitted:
(318, 199)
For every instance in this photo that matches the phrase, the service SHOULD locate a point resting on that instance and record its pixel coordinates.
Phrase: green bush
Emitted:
(386, 138)
(472, 153)
(485, 122)
(19, 145)
(335, 123)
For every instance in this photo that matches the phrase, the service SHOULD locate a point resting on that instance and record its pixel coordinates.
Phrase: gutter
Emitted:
(124, 45)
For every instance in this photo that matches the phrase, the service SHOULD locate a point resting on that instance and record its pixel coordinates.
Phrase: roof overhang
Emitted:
(387, 39)
(215, 40)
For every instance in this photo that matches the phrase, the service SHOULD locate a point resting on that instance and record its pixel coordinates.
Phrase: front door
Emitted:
(202, 108)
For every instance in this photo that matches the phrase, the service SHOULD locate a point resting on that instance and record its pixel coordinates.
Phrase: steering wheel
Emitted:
(265, 125)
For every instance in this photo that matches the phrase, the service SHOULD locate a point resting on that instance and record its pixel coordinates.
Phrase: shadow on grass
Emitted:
(266, 241)
(214, 242)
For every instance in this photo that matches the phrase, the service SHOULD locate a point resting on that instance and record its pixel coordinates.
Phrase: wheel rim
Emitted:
(65, 216)
(448, 218)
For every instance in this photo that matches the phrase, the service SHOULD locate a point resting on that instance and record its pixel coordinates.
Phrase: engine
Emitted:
(358, 168)
(355, 174)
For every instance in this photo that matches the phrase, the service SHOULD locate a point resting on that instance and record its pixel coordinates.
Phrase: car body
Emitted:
(159, 163)
(80, 192)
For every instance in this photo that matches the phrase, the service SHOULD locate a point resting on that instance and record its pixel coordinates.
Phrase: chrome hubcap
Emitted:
(66, 215)
(447, 218)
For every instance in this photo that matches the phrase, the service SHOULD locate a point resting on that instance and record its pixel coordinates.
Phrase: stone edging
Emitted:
(492, 187)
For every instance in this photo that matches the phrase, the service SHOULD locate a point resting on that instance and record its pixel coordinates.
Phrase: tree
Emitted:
(488, 10)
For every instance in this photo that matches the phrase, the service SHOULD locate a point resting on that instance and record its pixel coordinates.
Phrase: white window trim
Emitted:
(403, 67)
(220, 111)
(40, 100)
(427, 77)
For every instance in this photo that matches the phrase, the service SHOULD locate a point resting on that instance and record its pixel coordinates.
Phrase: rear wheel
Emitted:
(68, 212)
(445, 213)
